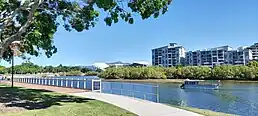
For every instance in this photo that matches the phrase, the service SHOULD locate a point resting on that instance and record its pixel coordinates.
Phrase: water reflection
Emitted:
(233, 98)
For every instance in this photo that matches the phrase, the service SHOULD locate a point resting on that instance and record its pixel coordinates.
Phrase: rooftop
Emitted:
(118, 62)
(170, 45)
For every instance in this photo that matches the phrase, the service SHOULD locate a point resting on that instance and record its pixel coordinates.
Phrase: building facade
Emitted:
(173, 55)
(209, 57)
(168, 56)
(241, 56)
(254, 49)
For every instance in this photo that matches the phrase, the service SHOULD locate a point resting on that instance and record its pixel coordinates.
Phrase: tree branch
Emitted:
(8, 19)
(17, 37)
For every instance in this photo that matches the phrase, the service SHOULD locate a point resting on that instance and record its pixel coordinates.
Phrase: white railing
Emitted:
(143, 91)
(85, 83)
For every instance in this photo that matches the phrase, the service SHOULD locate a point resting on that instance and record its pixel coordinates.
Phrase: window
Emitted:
(169, 55)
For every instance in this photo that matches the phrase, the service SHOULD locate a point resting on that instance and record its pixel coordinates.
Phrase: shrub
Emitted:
(74, 73)
(91, 73)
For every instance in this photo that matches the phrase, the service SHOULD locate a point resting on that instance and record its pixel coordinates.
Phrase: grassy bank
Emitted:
(30, 102)
(203, 111)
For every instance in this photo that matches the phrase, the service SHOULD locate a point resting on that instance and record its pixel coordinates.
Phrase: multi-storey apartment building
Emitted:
(209, 57)
(254, 49)
(241, 56)
(219, 56)
(171, 55)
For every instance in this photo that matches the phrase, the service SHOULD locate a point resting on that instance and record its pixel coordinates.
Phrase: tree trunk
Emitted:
(1, 52)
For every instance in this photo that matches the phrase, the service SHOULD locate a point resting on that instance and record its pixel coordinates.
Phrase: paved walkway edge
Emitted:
(134, 105)
(137, 106)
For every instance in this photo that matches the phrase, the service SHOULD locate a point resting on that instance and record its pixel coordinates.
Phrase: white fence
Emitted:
(84, 83)
(142, 91)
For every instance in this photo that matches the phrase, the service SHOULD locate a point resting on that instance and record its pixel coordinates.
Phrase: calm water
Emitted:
(234, 98)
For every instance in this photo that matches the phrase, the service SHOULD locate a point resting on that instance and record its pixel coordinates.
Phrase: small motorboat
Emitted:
(200, 84)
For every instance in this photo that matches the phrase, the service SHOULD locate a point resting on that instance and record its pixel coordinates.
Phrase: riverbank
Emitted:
(203, 111)
(172, 81)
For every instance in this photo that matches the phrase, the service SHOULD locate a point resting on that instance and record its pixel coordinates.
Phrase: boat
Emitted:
(200, 84)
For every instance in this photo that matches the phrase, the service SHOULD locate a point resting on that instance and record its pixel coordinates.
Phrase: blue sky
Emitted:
(195, 24)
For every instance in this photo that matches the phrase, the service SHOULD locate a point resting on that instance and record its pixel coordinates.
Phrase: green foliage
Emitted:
(245, 72)
(223, 72)
(84, 70)
(30, 68)
(3, 70)
(49, 69)
(134, 73)
(195, 72)
(113, 73)
(74, 73)
(98, 70)
(171, 73)
(153, 73)
(252, 64)
(191, 72)
(35, 23)
(60, 68)
(91, 73)
(26, 68)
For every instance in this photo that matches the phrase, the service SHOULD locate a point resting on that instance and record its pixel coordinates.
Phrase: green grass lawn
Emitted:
(47, 103)
(203, 111)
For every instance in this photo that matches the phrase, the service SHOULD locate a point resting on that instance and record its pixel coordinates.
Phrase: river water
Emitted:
(233, 98)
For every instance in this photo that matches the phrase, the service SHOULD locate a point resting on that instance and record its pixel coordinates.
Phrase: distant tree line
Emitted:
(30, 68)
(231, 72)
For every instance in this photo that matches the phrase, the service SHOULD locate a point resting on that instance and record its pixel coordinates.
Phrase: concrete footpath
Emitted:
(134, 105)
(137, 106)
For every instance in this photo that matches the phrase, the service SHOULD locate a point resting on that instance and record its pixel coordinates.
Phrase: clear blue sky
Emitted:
(195, 24)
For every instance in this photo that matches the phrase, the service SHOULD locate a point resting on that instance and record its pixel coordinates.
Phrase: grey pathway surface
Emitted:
(137, 106)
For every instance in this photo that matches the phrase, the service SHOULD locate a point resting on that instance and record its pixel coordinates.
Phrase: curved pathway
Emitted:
(134, 105)
(137, 106)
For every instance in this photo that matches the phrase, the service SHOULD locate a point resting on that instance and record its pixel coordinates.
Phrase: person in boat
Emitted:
(182, 86)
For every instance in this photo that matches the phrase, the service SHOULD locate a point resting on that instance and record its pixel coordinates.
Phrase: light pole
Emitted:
(15, 49)
(12, 66)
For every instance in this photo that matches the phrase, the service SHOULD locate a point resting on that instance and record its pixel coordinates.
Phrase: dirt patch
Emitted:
(4, 108)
